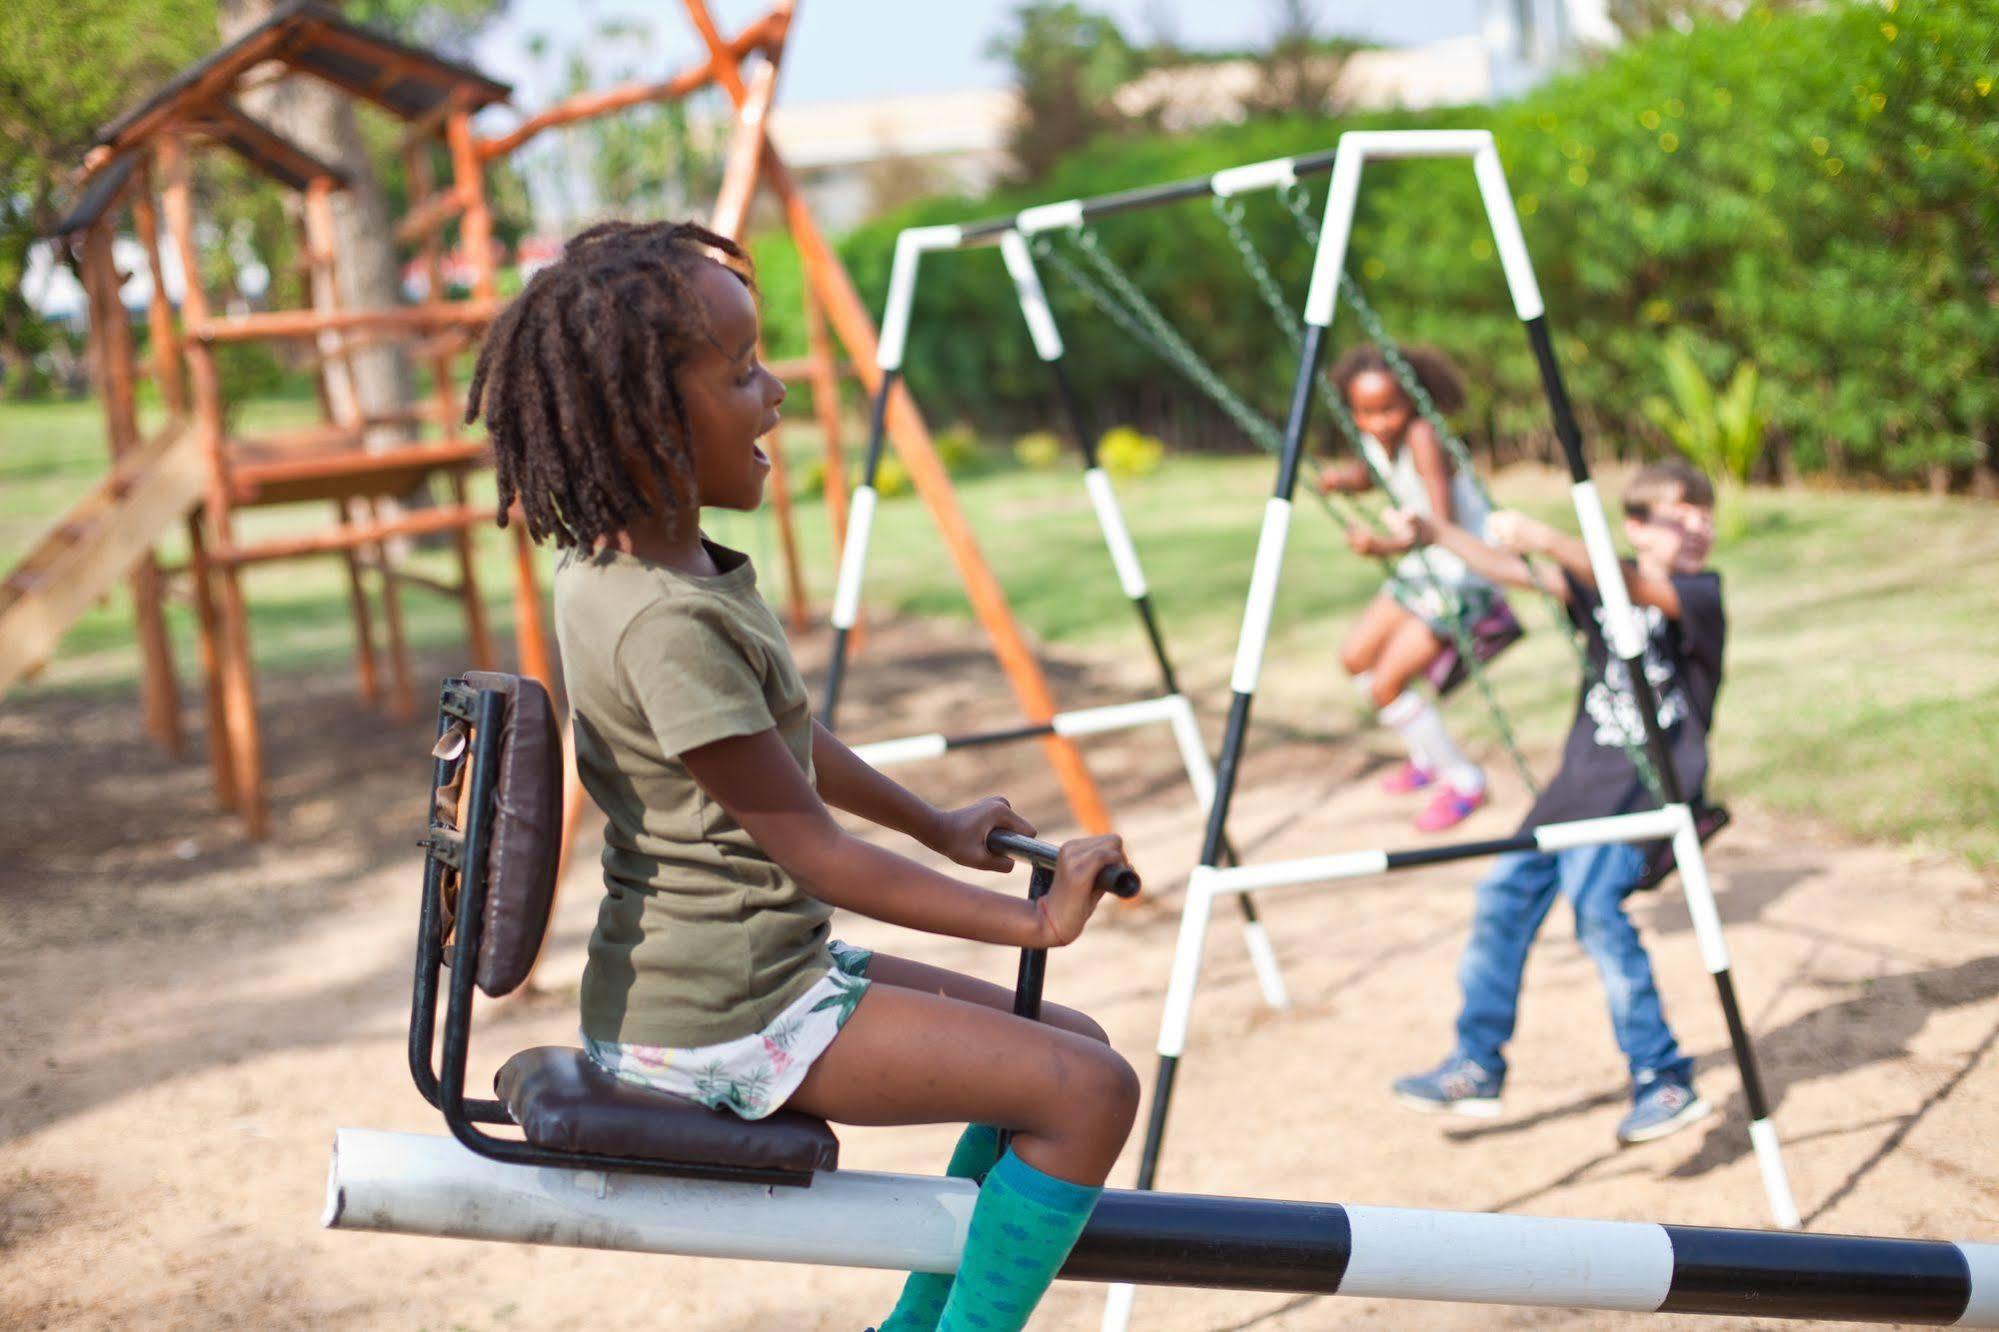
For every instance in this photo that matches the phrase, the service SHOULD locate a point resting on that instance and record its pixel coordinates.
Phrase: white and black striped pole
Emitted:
(419, 1184)
(1626, 636)
(1265, 575)
(1034, 308)
(909, 250)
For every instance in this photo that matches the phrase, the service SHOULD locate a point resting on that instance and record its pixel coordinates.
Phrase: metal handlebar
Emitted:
(1117, 880)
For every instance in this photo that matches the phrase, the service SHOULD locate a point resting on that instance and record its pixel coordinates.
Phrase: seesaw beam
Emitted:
(422, 1185)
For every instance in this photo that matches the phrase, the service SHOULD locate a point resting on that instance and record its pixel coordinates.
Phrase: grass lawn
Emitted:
(1863, 680)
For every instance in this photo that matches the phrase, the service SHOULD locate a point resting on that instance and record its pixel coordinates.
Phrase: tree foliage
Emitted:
(1067, 61)
(1808, 192)
(67, 67)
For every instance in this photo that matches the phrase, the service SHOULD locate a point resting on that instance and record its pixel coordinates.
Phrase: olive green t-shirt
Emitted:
(701, 937)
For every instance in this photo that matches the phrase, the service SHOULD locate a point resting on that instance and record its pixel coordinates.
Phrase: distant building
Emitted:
(857, 158)
(1451, 72)
(1528, 40)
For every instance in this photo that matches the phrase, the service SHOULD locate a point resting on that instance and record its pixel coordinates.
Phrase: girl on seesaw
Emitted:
(1408, 624)
(624, 394)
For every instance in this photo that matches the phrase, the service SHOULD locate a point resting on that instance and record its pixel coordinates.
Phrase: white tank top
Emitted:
(1405, 487)
(1468, 508)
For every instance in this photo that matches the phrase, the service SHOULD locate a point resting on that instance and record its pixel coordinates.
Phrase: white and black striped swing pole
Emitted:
(909, 250)
(1626, 635)
(1354, 150)
(1041, 326)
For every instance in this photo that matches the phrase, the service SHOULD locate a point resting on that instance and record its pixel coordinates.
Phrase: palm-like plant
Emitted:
(1722, 433)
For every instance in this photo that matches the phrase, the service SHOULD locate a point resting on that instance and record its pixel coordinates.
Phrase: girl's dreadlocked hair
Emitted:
(1436, 372)
(578, 380)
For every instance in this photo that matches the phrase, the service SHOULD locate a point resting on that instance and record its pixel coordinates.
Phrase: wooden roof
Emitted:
(308, 37)
(313, 38)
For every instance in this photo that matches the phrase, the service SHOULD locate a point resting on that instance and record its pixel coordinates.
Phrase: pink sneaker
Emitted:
(1407, 778)
(1448, 808)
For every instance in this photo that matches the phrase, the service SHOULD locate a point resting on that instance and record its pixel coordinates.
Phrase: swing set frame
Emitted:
(1213, 878)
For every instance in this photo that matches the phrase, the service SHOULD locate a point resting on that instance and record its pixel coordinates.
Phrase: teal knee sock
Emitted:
(923, 1295)
(1022, 1229)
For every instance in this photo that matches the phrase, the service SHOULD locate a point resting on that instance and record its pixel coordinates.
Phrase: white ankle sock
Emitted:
(1364, 682)
(1421, 727)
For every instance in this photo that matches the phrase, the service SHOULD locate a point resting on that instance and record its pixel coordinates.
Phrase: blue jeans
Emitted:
(1512, 902)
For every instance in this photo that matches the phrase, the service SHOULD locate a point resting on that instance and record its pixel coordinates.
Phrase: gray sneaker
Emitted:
(1661, 1106)
(1457, 1087)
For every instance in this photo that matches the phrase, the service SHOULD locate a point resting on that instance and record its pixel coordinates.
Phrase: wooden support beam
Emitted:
(438, 354)
(214, 699)
(364, 629)
(117, 375)
(402, 700)
(405, 319)
(745, 154)
(355, 535)
(762, 35)
(244, 783)
(475, 234)
(337, 376)
(167, 357)
(428, 217)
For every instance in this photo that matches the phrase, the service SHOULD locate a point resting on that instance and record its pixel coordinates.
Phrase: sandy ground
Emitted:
(185, 1019)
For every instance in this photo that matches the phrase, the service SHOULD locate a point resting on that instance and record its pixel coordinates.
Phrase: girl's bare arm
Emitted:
(1497, 565)
(847, 781)
(759, 783)
(1426, 451)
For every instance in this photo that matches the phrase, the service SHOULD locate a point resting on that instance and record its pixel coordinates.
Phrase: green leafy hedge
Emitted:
(1816, 192)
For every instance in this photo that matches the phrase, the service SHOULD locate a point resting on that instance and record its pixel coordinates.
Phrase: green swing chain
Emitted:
(1456, 616)
(1297, 201)
(1138, 316)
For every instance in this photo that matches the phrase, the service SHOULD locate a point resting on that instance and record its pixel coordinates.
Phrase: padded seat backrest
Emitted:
(526, 840)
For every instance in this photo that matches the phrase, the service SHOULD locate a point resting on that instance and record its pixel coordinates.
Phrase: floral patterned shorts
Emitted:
(755, 1074)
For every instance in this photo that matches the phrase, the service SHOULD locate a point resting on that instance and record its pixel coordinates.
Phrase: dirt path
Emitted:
(185, 1020)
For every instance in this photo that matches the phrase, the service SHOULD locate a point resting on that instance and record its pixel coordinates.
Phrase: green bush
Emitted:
(958, 448)
(1807, 190)
(1720, 432)
(1128, 452)
(892, 478)
(1038, 449)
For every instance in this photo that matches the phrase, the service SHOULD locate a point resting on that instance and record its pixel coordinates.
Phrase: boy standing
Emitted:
(1669, 521)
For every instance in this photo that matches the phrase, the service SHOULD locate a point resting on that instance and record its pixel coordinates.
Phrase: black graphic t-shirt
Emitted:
(1683, 662)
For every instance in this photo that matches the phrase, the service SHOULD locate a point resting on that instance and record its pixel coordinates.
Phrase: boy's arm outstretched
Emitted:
(758, 782)
(848, 781)
(1508, 567)
(1530, 536)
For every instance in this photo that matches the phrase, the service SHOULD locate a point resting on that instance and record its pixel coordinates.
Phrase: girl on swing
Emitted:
(1406, 632)
(623, 394)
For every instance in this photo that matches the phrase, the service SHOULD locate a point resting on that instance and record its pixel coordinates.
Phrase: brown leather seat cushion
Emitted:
(527, 833)
(565, 1103)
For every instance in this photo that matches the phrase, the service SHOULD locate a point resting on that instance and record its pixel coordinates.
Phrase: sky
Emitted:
(845, 49)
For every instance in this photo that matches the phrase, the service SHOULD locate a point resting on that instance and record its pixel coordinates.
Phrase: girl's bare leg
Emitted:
(887, 969)
(1370, 634)
(1409, 649)
(909, 1057)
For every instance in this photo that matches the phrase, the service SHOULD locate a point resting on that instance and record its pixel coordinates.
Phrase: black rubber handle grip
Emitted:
(1118, 880)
